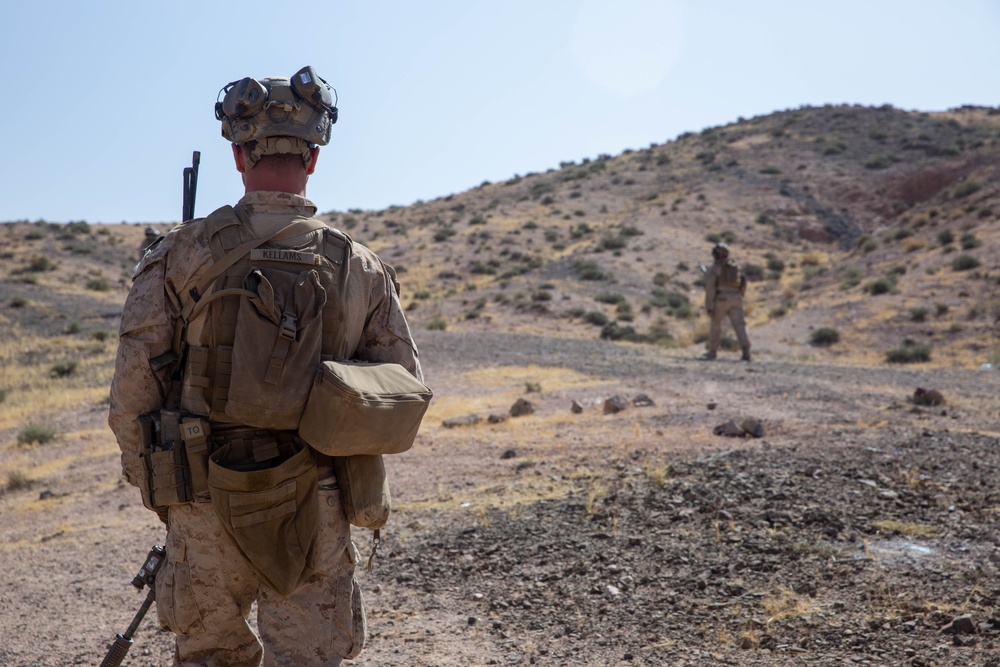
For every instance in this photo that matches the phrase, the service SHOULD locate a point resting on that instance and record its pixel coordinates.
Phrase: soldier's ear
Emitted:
(312, 163)
(241, 158)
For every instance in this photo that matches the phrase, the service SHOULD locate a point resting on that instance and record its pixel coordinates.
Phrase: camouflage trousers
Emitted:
(205, 590)
(733, 310)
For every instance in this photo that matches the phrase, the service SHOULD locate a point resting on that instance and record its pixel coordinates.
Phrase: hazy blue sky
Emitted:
(106, 100)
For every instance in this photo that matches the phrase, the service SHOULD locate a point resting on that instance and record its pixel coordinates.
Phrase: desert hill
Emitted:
(865, 232)
(879, 222)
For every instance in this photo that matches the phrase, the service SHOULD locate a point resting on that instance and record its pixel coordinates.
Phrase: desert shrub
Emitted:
(753, 271)
(437, 324)
(969, 241)
(908, 353)
(945, 236)
(764, 219)
(610, 242)
(777, 311)
(868, 245)
(64, 368)
(661, 279)
(770, 169)
(609, 297)
(444, 234)
(824, 337)
(918, 314)
(541, 295)
(34, 235)
(882, 285)
(17, 480)
(615, 331)
(850, 277)
(73, 328)
(834, 148)
(775, 264)
(98, 285)
(482, 268)
(473, 314)
(36, 434)
(712, 237)
(913, 245)
(3, 394)
(878, 162)
(587, 270)
(595, 317)
(902, 233)
(964, 189)
(964, 263)
(40, 263)
(80, 227)
(18, 302)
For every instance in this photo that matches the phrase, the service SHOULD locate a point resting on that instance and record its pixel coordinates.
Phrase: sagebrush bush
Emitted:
(64, 368)
(918, 314)
(964, 263)
(882, 285)
(596, 318)
(909, 353)
(36, 434)
(824, 337)
(17, 480)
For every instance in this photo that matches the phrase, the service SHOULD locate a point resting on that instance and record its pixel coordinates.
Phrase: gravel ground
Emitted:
(860, 528)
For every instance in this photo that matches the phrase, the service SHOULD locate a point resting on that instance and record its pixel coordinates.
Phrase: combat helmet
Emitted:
(281, 115)
(720, 251)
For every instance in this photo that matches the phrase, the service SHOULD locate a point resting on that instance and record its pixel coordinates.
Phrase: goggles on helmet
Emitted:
(304, 106)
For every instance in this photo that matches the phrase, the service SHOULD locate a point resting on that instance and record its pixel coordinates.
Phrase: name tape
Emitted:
(293, 256)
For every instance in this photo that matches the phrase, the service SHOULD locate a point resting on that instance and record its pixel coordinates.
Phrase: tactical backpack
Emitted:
(731, 276)
(269, 351)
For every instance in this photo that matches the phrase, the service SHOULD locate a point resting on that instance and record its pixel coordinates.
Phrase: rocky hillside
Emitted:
(876, 222)
(865, 231)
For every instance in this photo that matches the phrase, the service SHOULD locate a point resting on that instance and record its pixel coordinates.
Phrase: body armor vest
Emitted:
(275, 278)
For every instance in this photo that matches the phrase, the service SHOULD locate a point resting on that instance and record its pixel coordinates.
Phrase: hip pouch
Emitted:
(364, 490)
(270, 509)
(363, 408)
(279, 329)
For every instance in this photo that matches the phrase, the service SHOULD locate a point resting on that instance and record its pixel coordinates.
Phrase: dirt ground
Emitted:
(859, 529)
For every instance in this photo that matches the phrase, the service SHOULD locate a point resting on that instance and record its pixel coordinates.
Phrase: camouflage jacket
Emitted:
(717, 286)
(376, 326)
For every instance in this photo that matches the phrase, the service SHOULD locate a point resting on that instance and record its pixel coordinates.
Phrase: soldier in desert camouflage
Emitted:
(725, 287)
(205, 590)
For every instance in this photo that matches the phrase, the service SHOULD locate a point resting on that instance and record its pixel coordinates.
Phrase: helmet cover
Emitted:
(303, 107)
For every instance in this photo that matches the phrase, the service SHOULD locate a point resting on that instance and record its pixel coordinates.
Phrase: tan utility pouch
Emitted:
(363, 408)
(364, 490)
(278, 337)
(271, 513)
(168, 479)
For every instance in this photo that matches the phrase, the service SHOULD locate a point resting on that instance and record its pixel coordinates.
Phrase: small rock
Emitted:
(713, 404)
(613, 591)
(45, 494)
(497, 418)
(466, 420)
(752, 427)
(729, 429)
(888, 495)
(509, 454)
(960, 625)
(642, 401)
(928, 397)
(575, 407)
(521, 408)
(615, 404)
(473, 620)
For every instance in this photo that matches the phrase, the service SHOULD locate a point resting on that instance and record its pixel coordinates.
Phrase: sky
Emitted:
(107, 100)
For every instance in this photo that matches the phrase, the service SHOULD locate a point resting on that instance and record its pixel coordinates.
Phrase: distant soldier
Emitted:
(725, 285)
(147, 240)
